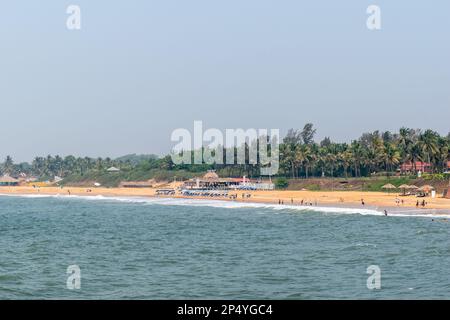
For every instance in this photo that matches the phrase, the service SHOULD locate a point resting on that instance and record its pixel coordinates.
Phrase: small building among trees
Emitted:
(8, 181)
(211, 181)
(409, 167)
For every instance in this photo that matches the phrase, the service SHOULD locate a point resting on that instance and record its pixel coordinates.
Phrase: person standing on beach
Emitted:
(292, 201)
(362, 202)
(385, 213)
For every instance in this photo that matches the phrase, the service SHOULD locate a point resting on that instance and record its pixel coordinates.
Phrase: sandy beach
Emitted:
(377, 200)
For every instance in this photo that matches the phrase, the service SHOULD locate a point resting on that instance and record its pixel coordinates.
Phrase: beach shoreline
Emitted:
(340, 199)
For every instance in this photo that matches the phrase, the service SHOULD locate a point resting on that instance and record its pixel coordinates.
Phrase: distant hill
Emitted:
(135, 159)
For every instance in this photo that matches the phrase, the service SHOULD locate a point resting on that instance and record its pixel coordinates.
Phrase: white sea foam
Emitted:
(236, 205)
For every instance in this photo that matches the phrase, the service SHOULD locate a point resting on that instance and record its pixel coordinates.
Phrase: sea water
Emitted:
(149, 248)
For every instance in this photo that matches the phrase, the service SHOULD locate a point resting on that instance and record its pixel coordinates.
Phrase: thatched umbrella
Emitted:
(404, 187)
(413, 187)
(389, 186)
(426, 188)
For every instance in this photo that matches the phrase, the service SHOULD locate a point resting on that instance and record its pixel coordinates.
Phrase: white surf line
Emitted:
(237, 204)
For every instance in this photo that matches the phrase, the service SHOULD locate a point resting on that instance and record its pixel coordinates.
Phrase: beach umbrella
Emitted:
(413, 187)
(426, 188)
(404, 187)
(389, 186)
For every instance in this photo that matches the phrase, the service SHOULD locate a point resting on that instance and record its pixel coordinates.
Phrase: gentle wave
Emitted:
(235, 205)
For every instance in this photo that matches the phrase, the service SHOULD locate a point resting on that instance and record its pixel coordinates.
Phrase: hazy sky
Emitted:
(137, 70)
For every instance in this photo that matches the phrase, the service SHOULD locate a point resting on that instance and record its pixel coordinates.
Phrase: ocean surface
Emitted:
(136, 248)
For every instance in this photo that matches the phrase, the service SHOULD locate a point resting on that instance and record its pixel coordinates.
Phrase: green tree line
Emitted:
(300, 157)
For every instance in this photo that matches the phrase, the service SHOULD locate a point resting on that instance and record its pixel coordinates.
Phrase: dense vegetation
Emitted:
(373, 154)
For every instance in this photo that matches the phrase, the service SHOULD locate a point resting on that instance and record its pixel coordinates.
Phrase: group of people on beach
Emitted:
(235, 196)
(302, 202)
(69, 193)
(402, 202)
(423, 203)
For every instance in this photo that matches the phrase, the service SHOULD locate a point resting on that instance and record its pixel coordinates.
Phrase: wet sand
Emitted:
(348, 199)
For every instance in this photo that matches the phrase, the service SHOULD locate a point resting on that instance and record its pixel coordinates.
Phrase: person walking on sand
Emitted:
(68, 191)
(417, 204)
(292, 201)
(362, 202)
(385, 213)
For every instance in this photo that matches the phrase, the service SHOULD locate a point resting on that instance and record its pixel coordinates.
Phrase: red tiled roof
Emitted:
(417, 163)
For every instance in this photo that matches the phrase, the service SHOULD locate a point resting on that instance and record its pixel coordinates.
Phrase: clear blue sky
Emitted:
(139, 69)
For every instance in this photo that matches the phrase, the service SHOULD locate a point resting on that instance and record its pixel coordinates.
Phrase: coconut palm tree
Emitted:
(428, 143)
(443, 155)
(8, 166)
(357, 157)
(414, 154)
(391, 157)
(345, 158)
(405, 142)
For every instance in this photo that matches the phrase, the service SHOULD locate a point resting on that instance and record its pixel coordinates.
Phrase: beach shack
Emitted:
(211, 181)
(8, 181)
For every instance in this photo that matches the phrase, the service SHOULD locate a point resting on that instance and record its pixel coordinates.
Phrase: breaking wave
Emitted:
(237, 205)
